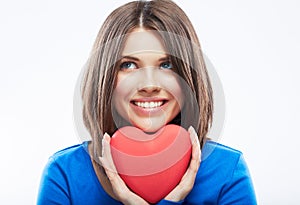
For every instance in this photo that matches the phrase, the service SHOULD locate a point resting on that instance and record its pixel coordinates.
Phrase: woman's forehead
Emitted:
(141, 40)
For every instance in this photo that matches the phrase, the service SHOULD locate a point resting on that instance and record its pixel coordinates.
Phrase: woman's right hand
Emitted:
(119, 187)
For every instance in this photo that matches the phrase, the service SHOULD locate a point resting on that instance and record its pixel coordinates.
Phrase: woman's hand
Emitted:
(187, 182)
(128, 197)
(119, 187)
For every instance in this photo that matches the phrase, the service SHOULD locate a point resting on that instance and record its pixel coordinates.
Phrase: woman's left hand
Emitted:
(187, 182)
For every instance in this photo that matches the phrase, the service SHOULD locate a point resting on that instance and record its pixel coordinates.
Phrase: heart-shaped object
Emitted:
(151, 165)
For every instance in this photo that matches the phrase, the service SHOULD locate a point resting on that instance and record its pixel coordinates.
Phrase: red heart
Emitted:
(151, 164)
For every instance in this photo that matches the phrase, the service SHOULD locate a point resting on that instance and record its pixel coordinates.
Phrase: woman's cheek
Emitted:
(171, 83)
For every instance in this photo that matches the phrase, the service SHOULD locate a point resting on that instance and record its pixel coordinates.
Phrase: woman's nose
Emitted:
(150, 89)
(149, 81)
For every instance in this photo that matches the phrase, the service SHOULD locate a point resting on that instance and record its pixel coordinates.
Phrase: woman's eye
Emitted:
(166, 65)
(128, 65)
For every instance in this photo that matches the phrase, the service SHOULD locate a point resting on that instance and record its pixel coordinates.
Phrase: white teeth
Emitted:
(148, 104)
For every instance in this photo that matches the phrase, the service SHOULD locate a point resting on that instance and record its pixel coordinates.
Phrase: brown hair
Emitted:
(180, 40)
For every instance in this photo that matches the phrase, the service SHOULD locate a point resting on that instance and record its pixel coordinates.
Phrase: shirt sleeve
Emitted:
(239, 188)
(53, 186)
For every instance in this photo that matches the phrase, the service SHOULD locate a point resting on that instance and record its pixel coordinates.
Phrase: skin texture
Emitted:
(148, 77)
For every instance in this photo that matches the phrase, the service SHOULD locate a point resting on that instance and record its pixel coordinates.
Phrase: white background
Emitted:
(254, 46)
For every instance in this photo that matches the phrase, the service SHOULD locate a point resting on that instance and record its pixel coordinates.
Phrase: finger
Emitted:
(109, 167)
(190, 175)
(106, 159)
(196, 152)
(187, 181)
(108, 163)
(122, 191)
(119, 187)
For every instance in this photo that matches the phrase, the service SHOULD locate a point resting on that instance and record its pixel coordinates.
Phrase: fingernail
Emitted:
(194, 134)
(106, 136)
(191, 130)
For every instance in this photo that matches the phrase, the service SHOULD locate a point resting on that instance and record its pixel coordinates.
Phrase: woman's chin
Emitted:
(150, 127)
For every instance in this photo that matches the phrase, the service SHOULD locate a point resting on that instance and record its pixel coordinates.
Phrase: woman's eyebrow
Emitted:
(166, 58)
(130, 58)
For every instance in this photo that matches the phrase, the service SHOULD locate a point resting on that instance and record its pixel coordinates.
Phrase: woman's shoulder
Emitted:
(70, 155)
(223, 171)
(69, 178)
(221, 147)
(212, 149)
(70, 150)
(220, 161)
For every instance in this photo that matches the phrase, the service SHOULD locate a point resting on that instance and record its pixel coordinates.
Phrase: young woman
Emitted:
(146, 70)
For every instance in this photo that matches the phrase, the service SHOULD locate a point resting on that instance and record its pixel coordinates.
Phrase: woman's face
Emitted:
(147, 93)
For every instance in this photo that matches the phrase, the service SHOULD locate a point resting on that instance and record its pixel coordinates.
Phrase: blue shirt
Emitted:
(223, 178)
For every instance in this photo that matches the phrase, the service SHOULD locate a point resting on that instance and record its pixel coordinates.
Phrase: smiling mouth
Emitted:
(149, 105)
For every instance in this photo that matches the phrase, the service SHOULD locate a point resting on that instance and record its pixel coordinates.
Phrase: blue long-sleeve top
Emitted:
(223, 178)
